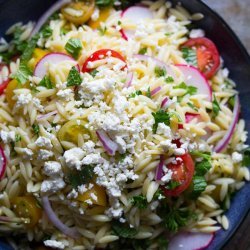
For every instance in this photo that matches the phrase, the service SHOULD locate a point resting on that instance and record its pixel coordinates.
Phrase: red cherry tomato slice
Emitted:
(99, 55)
(208, 58)
(183, 173)
(4, 84)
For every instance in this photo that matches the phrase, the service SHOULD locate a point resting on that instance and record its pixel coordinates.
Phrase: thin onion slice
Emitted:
(43, 19)
(129, 79)
(3, 163)
(221, 145)
(166, 102)
(155, 91)
(159, 169)
(190, 241)
(46, 116)
(190, 116)
(110, 146)
(71, 232)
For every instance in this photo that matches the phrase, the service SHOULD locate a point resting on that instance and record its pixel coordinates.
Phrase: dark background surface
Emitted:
(236, 59)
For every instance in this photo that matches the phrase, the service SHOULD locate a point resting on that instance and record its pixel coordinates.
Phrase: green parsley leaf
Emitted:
(104, 3)
(143, 51)
(204, 155)
(46, 31)
(18, 138)
(201, 168)
(36, 129)
(160, 72)
(191, 105)
(94, 72)
(246, 157)
(199, 185)
(169, 33)
(169, 79)
(161, 117)
(162, 242)
(172, 185)
(159, 195)
(119, 22)
(73, 47)
(81, 177)
(74, 78)
(216, 107)
(123, 230)
(231, 101)
(45, 82)
(133, 95)
(102, 30)
(139, 201)
(148, 93)
(28, 52)
(172, 218)
(22, 73)
(191, 90)
(190, 56)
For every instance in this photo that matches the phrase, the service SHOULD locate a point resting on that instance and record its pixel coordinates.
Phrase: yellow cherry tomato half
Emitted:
(97, 192)
(79, 12)
(70, 131)
(95, 210)
(38, 54)
(27, 207)
(103, 16)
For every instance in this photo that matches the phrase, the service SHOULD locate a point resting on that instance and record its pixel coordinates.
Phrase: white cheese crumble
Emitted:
(44, 154)
(52, 168)
(54, 244)
(27, 153)
(65, 94)
(195, 33)
(163, 129)
(52, 186)
(7, 136)
(43, 142)
(236, 157)
(23, 99)
(73, 157)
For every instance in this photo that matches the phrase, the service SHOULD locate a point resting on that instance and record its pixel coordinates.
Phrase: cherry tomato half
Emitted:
(99, 55)
(208, 57)
(183, 173)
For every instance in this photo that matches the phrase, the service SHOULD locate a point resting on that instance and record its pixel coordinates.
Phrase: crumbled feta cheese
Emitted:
(179, 151)
(89, 147)
(43, 142)
(92, 159)
(73, 157)
(65, 94)
(195, 33)
(23, 99)
(236, 157)
(27, 153)
(52, 186)
(167, 176)
(37, 104)
(163, 129)
(7, 136)
(54, 244)
(44, 154)
(73, 194)
(52, 168)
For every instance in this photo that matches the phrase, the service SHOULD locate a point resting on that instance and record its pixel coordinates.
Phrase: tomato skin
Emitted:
(101, 54)
(183, 173)
(208, 57)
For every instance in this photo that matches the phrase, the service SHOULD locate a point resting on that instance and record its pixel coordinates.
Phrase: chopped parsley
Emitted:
(18, 138)
(161, 117)
(160, 72)
(73, 47)
(104, 3)
(174, 218)
(231, 101)
(191, 90)
(139, 201)
(246, 157)
(172, 185)
(45, 82)
(94, 72)
(102, 30)
(216, 107)
(169, 33)
(148, 93)
(169, 79)
(143, 51)
(191, 105)
(74, 78)
(136, 93)
(123, 230)
(190, 56)
(81, 177)
(36, 129)
(22, 73)
(199, 185)
(201, 168)
(46, 31)
(205, 155)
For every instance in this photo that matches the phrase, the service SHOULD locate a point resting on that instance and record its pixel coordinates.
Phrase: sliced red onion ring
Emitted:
(55, 58)
(129, 79)
(190, 241)
(110, 146)
(159, 169)
(71, 232)
(190, 116)
(221, 145)
(166, 102)
(3, 163)
(155, 91)
(46, 116)
(43, 19)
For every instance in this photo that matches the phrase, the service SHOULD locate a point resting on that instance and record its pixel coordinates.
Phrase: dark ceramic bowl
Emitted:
(234, 54)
